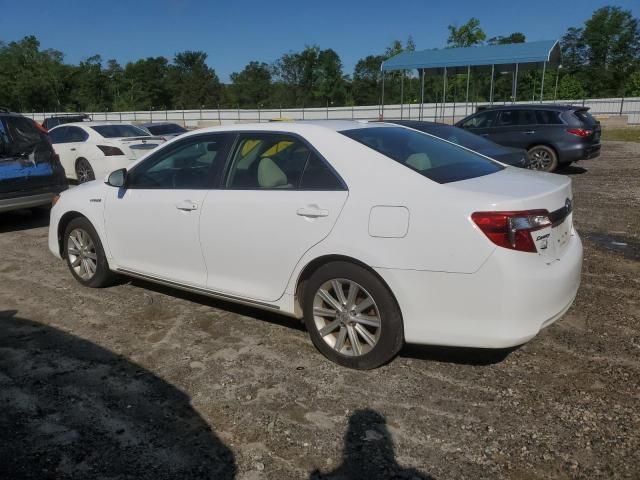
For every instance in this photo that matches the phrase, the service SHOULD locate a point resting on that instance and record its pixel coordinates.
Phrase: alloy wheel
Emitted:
(347, 317)
(84, 172)
(540, 159)
(82, 254)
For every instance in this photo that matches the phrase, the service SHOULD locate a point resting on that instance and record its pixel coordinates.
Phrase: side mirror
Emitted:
(117, 178)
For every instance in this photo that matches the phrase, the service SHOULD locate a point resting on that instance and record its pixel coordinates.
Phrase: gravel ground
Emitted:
(139, 381)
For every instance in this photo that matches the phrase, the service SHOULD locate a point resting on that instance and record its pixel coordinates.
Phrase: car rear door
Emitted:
(61, 144)
(153, 223)
(280, 198)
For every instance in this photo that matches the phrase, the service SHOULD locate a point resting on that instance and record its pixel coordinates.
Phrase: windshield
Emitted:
(118, 131)
(435, 159)
(165, 129)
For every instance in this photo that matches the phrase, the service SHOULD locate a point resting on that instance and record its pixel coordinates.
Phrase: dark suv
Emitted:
(553, 135)
(30, 171)
(51, 122)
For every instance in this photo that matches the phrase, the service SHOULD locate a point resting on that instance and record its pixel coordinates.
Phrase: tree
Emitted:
(193, 82)
(466, 35)
(364, 86)
(632, 88)
(570, 88)
(331, 83)
(252, 86)
(515, 37)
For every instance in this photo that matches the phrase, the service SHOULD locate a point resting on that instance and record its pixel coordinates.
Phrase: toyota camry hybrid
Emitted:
(373, 233)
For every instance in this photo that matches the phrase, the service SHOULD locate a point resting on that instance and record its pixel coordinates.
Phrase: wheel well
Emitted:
(316, 263)
(62, 226)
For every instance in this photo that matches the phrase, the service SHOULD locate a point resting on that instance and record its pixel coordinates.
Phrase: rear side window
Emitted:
(433, 158)
(318, 176)
(548, 117)
(510, 118)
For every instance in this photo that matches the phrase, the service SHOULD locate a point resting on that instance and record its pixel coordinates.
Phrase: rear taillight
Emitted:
(108, 150)
(512, 230)
(579, 132)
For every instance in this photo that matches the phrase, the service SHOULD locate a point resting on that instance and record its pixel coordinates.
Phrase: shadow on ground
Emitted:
(24, 220)
(72, 409)
(368, 452)
(572, 170)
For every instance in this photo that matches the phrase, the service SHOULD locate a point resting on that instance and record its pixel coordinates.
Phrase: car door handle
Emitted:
(73, 149)
(530, 132)
(312, 212)
(186, 205)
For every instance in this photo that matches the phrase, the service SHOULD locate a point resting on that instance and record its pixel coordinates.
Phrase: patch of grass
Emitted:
(630, 134)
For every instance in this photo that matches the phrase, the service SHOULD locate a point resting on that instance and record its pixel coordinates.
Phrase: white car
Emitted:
(91, 150)
(375, 234)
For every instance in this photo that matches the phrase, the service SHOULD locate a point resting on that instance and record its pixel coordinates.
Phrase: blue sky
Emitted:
(236, 32)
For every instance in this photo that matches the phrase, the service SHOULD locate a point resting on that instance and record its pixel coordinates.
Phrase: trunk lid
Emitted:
(136, 147)
(514, 189)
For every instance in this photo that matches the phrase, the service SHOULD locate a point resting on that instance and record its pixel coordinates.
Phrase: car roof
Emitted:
(91, 124)
(298, 126)
(540, 106)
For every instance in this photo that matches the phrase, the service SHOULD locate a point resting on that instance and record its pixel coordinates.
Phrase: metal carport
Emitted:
(516, 56)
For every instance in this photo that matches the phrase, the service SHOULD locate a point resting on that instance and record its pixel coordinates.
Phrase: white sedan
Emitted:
(375, 234)
(91, 150)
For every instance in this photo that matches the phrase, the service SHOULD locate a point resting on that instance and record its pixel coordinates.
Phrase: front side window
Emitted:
(511, 118)
(431, 157)
(58, 135)
(482, 120)
(187, 165)
(120, 131)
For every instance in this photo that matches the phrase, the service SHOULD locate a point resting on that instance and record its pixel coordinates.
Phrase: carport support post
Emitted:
(515, 85)
(382, 97)
(444, 92)
(493, 71)
(402, 95)
(466, 102)
(544, 69)
(421, 111)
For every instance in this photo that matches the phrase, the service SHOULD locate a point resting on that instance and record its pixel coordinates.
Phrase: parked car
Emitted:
(30, 171)
(91, 149)
(516, 157)
(554, 135)
(375, 234)
(51, 122)
(164, 129)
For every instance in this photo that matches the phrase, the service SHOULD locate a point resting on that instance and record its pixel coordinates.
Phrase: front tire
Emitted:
(85, 256)
(543, 158)
(351, 316)
(84, 171)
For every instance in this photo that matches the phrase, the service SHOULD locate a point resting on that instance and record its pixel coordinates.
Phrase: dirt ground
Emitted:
(139, 381)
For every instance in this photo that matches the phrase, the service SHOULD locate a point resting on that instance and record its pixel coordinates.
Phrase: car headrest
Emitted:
(419, 161)
(270, 175)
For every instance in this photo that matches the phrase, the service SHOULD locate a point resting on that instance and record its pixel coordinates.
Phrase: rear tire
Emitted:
(543, 158)
(352, 317)
(85, 255)
(84, 171)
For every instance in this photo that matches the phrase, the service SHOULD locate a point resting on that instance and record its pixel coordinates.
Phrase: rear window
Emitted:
(585, 117)
(431, 157)
(118, 131)
(167, 129)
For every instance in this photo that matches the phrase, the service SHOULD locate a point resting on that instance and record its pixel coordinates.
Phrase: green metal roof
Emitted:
(521, 53)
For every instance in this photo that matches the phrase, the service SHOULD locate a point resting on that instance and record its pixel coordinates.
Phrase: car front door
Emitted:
(152, 223)
(516, 128)
(279, 199)
(483, 123)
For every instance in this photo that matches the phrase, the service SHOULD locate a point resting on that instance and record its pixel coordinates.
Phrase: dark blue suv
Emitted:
(554, 135)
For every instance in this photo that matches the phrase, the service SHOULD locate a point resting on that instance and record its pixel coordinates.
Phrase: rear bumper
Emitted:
(504, 304)
(580, 152)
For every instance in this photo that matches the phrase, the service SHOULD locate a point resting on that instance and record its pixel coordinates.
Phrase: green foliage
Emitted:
(570, 88)
(515, 37)
(466, 35)
(252, 86)
(632, 89)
